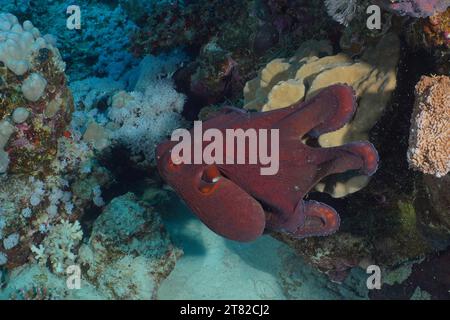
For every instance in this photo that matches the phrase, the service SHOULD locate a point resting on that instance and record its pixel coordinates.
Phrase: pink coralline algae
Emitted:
(416, 8)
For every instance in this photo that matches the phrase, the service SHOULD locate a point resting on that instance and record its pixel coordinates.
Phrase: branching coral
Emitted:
(31, 207)
(429, 141)
(59, 246)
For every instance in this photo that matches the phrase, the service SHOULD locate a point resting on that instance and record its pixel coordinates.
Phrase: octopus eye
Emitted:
(210, 177)
(211, 174)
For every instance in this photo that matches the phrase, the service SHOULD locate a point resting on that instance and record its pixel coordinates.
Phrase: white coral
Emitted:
(39, 253)
(33, 87)
(19, 43)
(147, 118)
(342, 11)
(59, 245)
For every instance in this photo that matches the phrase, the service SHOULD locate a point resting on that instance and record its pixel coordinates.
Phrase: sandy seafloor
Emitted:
(216, 268)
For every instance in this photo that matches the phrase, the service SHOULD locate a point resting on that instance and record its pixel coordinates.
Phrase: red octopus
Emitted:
(237, 202)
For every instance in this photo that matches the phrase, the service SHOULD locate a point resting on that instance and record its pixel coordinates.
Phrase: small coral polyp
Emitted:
(35, 102)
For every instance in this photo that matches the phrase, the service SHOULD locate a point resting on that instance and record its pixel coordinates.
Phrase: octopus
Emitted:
(239, 203)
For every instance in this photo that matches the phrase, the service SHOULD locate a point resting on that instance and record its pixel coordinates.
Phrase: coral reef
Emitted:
(32, 207)
(146, 118)
(418, 283)
(432, 34)
(437, 30)
(281, 21)
(100, 50)
(59, 246)
(129, 254)
(82, 110)
(284, 82)
(246, 34)
(142, 118)
(134, 112)
(126, 257)
(356, 37)
(360, 244)
(172, 25)
(215, 74)
(51, 178)
(429, 141)
(35, 103)
(401, 216)
(42, 161)
(415, 8)
(97, 49)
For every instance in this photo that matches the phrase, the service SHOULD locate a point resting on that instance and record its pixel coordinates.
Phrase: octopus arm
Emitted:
(225, 207)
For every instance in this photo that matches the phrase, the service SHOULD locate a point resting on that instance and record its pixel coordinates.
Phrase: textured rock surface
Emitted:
(129, 252)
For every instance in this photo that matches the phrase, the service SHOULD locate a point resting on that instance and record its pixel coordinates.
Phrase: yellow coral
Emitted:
(284, 82)
(285, 94)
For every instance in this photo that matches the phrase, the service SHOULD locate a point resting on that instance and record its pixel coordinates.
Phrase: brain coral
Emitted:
(284, 82)
(35, 103)
(429, 140)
